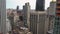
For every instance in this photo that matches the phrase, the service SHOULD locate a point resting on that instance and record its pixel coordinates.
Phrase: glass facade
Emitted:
(40, 5)
(57, 25)
(57, 19)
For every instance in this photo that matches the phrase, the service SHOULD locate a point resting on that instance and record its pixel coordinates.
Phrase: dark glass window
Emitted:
(21, 18)
(58, 8)
(57, 23)
(58, 4)
(40, 5)
(57, 18)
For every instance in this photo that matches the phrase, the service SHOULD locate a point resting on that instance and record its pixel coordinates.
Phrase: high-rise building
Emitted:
(2, 16)
(17, 8)
(51, 16)
(26, 10)
(40, 5)
(37, 22)
(52, 8)
(57, 18)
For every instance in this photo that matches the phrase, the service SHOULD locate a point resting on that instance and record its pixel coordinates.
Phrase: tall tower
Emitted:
(51, 16)
(2, 16)
(40, 5)
(26, 10)
(57, 18)
(17, 8)
(37, 22)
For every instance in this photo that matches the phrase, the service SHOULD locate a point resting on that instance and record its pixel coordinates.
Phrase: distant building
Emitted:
(40, 5)
(17, 8)
(26, 16)
(52, 8)
(17, 16)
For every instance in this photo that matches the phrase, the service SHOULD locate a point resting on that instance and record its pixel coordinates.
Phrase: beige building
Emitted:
(26, 10)
(38, 23)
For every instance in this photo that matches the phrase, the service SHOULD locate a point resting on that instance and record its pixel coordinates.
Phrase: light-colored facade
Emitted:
(3, 16)
(16, 18)
(51, 9)
(26, 10)
(8, 25)
(51, 16)
(38, 22)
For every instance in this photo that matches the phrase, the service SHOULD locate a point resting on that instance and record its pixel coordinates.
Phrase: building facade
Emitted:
(51, 16)
(37, 22)
(57, 18)
(40, 5)
(2, 16)
(26, 10)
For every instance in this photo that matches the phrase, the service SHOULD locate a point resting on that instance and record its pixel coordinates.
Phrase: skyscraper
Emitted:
(17, 9)
(26, 10)
(38, 22)
(2, 17)
(40, 5)
(57, 18)
(51, 16)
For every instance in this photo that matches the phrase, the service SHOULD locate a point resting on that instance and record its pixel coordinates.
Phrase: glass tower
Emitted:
(40, 5)
(57, 18)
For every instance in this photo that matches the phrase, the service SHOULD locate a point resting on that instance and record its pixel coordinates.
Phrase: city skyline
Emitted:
(14, 3)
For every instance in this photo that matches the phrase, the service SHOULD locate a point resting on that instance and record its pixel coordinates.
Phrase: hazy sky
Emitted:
(14, 3)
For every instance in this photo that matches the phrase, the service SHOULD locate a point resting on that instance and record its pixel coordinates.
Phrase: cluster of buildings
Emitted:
(38, 21)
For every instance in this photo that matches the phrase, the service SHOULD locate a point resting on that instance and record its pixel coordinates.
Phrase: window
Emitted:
(57, 23)
(57, 18)
(21, 18)
(58, 4)
(58, 0)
